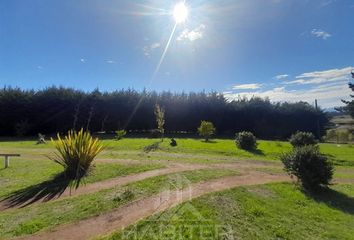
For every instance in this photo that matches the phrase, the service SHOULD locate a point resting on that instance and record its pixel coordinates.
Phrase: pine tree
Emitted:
(349, 108)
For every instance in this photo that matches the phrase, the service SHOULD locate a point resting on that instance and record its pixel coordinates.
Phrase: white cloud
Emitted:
(110, 61)
(82, 60)
(320, 34)
(148, 49)
(282, 76)
(328, 87)
(328, 97)
(247, 86)
(319, 77)
(192, 35)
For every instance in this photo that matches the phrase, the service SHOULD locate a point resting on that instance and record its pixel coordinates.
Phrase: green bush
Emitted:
(173, 142)
(120, 134)
(76, 152)
(246, 140)
(206, 130)
(300, 139)
(309, 166)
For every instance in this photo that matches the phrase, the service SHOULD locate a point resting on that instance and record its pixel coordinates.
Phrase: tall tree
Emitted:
(349, 108)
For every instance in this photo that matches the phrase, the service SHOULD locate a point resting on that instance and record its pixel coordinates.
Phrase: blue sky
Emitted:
(288, 50)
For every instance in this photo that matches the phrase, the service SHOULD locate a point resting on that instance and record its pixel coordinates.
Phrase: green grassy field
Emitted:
(34, 218)
(24, 172)
(193, 150)
(273, 211)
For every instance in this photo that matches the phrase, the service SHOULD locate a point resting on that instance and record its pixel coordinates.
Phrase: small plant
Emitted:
(120, 134)
(206, 130)
(152, 147)
(41, 139)
(246, 141)
(173, 142)
(76, 152)
(125, 196)
(300, 139)
(309, 166)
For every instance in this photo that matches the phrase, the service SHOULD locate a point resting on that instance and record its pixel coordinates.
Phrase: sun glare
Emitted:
(180, 12)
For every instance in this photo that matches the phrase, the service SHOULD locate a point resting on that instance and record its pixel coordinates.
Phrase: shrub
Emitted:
(76, 152)
(300, 139)
(246, 140)
(206, 129)
(173, 142)
(309, 166)
(120, 134)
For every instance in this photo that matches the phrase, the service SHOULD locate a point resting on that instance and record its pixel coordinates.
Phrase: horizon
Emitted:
(295, 50)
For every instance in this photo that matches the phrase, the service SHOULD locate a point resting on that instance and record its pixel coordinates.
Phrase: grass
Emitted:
(24, 173)
(273, 211)
(29, 220)
(187, 150)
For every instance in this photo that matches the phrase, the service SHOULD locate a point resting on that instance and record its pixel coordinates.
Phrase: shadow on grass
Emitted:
(333, 199)
(209, 141)
(256, 152)
(44, 192)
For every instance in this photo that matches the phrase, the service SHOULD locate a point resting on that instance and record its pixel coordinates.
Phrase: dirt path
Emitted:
(131, 213)
(113, 182)
(242, 167)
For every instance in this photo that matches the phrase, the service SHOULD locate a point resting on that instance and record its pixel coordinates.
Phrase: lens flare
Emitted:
(180, 12)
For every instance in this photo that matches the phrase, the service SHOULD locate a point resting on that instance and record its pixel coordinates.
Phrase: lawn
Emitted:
(42, 216)
(273, 211)
(188, 150)
(25, 172)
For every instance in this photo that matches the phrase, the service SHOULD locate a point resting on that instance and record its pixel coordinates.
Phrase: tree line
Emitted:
(58, 109)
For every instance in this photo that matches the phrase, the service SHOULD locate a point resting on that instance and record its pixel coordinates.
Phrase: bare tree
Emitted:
(160, 119)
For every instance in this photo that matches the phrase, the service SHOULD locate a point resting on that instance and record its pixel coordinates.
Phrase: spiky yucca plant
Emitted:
(76, 152)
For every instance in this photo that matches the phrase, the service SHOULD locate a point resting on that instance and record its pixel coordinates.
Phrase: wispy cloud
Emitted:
(282, 76)
(110, 61)
(319, 77)
(247, 86)
(192, 35)
(326, 3)
(329, 87)
(328, 97)
(321, 34)
(149, 48)
(39, 67)
(83, 60)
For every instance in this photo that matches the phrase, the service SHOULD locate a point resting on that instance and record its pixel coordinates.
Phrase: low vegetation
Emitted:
(309, 166)
(246, 141)
(206, 130)
(120, 134)
(300, 139)
(76, 153)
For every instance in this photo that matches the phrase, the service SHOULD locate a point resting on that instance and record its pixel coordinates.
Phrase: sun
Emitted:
(180, 12)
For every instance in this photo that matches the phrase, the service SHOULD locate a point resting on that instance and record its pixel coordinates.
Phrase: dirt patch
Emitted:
(131, 213)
